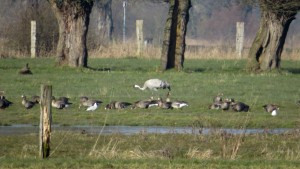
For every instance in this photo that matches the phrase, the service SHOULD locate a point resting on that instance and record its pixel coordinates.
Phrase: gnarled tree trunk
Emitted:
(73, 21)
(266, 49)
(173, 48)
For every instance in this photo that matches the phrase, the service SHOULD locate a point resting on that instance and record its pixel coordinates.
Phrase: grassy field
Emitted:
(197, 84)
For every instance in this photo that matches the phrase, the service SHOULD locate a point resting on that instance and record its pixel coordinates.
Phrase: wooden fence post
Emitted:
(45, 120)
(239, 38)
(139, 36)
(33, 39)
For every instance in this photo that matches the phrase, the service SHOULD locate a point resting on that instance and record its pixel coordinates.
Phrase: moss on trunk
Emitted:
(173, 48)
(73, 21)
(266, 49)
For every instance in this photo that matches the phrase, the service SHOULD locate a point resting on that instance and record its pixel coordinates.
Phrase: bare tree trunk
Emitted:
(73, 21)
(183, 18)
(173, 48)
(168, 47)
(266, 49)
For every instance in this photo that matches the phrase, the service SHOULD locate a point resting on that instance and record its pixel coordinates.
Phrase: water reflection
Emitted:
(128, 130)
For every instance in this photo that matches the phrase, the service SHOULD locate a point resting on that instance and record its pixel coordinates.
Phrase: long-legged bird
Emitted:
(154, 84)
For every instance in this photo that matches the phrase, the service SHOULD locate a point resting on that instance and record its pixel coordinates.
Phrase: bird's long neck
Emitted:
(139, 87)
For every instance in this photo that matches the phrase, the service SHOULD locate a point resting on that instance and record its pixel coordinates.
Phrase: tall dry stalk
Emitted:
(96, 142)
(239, 140)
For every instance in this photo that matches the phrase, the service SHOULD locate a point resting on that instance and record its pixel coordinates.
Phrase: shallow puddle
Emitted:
(18, 129)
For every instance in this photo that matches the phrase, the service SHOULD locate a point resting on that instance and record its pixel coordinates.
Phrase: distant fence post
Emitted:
(33, 39)
(45, 120)
(139, 36)
(239, 38)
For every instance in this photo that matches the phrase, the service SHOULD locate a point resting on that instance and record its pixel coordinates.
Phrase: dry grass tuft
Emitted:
(198, 154)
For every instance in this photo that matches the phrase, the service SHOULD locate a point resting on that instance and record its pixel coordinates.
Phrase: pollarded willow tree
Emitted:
(266, 49)
(173, 48)
(73, 19)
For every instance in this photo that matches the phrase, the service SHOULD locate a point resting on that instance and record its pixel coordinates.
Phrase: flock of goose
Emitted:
(92, 104)
(230, 104)
(152, 84)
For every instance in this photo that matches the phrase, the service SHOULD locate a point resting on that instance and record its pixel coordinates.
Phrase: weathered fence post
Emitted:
(139, 36)
(33, 39)
(45, 120)
(239, 38)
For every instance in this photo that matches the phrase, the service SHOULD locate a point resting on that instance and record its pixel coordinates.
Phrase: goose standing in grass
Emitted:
(93, 107)
(86, 102)
(217, 102)
(179, 104)
(65, 100)
(59, 104)
(271, 108)
(25, 70)
(164, 104)
(226, 104)
(36, 99)
(215, 106)
(240, 106)
(154, 84)
(4, 103)
(117, 105)
(143, 104)
(26, 103)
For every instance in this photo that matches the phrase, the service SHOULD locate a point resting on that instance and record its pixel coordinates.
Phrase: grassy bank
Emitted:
(217, 150)
(113, 79)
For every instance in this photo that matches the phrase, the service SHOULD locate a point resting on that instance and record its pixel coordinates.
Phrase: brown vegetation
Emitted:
(210, 31)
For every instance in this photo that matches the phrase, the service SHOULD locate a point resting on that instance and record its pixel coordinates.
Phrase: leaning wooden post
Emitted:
(139, 36)
(239, 38)
(45, 120)
(33, 39)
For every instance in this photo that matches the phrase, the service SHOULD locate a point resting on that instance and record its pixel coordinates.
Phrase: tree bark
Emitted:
(266, 49)
(173, 48)
(73, 20)
(183, 18)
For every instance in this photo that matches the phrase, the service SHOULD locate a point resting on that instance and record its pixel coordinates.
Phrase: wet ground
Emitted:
(127, 130)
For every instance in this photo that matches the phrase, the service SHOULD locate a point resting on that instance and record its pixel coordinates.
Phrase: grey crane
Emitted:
(154, 84)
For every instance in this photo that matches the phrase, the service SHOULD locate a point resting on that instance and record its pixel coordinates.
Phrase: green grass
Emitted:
(75, 150)
(200, 81)
(197, 84)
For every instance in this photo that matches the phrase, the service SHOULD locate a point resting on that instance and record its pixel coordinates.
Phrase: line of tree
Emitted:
(265, 52)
